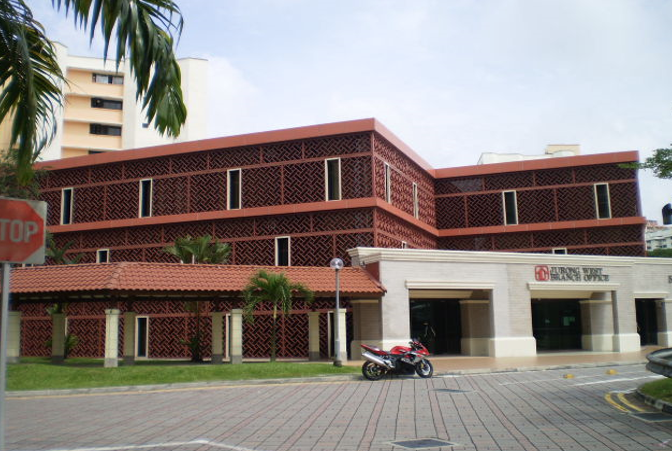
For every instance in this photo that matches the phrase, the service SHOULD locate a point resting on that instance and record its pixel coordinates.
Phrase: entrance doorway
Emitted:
(647, 324)
(556, 324)
(437, 324)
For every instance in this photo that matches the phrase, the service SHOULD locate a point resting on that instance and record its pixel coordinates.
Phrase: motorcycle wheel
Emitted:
(424, 368)
(372, 372)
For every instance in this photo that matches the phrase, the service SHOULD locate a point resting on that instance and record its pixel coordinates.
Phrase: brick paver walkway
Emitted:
(534, 410)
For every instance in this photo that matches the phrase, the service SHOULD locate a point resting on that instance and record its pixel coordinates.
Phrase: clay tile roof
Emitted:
(137, 276)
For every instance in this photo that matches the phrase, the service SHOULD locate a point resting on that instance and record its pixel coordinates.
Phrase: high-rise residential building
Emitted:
(101, 114)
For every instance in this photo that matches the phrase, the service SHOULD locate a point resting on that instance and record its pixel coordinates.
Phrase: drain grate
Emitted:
(450, 390)
(423, 443)
(656, 417)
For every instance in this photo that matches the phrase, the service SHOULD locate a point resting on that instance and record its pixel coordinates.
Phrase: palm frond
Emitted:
(144, 31)
(31, 81)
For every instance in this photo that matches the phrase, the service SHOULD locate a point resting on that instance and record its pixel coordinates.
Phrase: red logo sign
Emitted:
(22, 231)
(542, 273)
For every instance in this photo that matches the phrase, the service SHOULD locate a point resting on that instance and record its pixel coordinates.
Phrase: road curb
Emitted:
(656, 403)
(137, 389)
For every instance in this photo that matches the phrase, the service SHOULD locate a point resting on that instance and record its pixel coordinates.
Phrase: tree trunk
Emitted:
(274, 333)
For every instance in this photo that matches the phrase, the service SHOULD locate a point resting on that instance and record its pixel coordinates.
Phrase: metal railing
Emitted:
(660, 362)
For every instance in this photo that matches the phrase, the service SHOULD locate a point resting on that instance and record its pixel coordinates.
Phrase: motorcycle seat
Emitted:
(374, 349)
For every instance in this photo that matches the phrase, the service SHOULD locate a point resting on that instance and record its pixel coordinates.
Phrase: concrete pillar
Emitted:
(217, 337)
(597, 325)
(111, 338)
(236, 336)
(342, 334)
(13, 337)
(476, 334)
(129, 338)
(626, 338)
(504, 341)
(57, 337)
(665, 323)
(366, 325)
(313, 336)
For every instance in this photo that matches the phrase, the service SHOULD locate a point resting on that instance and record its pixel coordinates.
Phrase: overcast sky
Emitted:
(451, 78)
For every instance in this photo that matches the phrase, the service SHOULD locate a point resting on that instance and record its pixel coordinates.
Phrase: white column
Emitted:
(342, 333)
(236, 336)
(597, 320)
(313, 336)
(366, 325)
(665, 323)
(217, 337)
(13, 337)
(129, 338)
(57, 337)
(111, 338)
(626, 338)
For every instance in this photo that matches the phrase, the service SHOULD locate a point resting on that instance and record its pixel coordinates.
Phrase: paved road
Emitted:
(534, 410)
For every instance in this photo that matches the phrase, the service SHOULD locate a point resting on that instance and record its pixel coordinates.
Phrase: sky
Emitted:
(451, 78)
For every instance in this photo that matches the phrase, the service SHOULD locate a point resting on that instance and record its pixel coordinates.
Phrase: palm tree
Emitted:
(58, 254)
(31, 80)
(277, 289)
(198, 250)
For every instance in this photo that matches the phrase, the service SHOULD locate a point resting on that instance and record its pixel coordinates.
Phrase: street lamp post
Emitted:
(337, 264)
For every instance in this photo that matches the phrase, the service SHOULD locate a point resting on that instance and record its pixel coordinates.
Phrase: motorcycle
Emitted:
(399, 360)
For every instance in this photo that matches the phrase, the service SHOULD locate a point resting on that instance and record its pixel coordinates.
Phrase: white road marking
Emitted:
(160, 445)
(623, 379)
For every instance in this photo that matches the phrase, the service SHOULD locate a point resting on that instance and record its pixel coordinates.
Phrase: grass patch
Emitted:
(41, 374)
(660, 389)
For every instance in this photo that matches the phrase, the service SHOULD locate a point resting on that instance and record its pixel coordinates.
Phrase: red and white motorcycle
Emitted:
(398, 360)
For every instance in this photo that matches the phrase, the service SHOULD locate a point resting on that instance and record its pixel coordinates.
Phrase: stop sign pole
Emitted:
(22, 237)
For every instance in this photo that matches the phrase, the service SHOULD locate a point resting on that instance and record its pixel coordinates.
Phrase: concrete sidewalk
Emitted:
(549, 360)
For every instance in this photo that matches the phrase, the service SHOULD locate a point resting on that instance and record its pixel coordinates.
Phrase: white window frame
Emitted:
(240, 188)
(72, 203)
(135, 339)
(563, 249)
(515, 206)
(151, 194)
(98, 251)
(416, 203)
(404, 245)
(388, 183)
(597, 201)
(326, 179)
(289, 249)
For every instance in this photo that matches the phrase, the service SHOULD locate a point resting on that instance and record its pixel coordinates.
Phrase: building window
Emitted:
(141, 336)
(388, 183)
(560, 250)
(233, 189)
(416, 204)
(103, 256)
(282, 251)
(332, 178)
(67, 201)
(93, 152)
(100, 129)
(602, 203)
(145, 206)
(108, 79)
(97, 102)
(404, 245)
(510, 208)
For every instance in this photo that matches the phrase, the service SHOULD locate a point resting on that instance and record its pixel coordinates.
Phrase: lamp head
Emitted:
(336, 263)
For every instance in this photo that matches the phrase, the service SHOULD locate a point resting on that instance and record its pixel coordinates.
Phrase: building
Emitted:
(658, 237)
(303, 196)
(299, 197)
(101, 114)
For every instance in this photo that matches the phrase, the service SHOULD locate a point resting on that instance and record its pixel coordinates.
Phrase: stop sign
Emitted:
(22, 230)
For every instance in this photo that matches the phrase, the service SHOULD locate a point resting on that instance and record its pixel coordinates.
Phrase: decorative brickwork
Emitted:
(316, 250)
(254, 252)
(285, 151)
(484, 210)
(260, 187)
(338, 145)
(624, 200)
(577, 202)
(459, 185)
(536, 206)
(304, 182)
(554, 177)
(450, 212)
(356, 178)
(121, 200)
(282, 225)
(234, 158)
(143, 169)
(208, 192)
(170, 196)
(53, 200)
(603, 173)
(191, 162)
(508, 181)
(106, 173)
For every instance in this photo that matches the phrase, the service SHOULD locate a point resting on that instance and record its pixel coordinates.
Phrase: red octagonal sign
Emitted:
(22, 230)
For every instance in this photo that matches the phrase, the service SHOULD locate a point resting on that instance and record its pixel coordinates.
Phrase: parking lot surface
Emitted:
(580, 409)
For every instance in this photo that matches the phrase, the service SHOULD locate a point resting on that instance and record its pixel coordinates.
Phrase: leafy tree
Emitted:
(9, 180)
(201, 250)
(660, 163)
(32, 80)
(58, 254)
(277, 289)
(667, 253)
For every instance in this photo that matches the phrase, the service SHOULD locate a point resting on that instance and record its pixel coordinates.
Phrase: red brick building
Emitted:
(302, 196)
